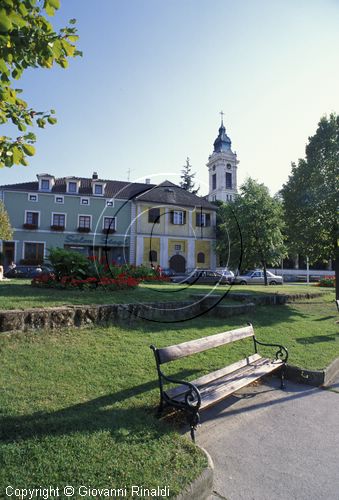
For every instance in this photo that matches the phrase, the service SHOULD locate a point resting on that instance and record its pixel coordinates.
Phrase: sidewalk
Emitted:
(268, 444)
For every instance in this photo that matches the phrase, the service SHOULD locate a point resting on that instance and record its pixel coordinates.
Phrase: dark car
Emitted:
(27, 272)
(203, 277)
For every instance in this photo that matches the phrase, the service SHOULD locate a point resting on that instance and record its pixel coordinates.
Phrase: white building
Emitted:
(222, 167)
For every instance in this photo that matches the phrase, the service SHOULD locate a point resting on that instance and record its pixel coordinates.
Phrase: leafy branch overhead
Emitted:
(28, 40)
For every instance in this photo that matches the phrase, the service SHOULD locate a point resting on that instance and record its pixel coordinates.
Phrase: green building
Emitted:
(92, 216)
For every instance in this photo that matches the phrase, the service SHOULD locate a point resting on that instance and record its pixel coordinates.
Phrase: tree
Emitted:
(28, 40)
(6, 232)
(250, 228)
(311, 197)
(187, 177)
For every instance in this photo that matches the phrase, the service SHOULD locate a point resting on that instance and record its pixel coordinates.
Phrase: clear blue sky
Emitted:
(155, 75)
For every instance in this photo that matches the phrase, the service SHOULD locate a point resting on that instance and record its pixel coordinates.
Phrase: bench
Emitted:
(193, 396)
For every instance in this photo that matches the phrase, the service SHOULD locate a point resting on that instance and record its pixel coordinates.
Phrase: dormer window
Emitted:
(44, 184)
(72, 187)
(98, 189)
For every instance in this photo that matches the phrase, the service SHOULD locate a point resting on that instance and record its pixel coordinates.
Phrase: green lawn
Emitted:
(19, 294)
(77, 406)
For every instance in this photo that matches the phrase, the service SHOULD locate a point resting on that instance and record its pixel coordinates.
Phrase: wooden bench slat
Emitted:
(210, 377)
(225, 386)
(174, 352)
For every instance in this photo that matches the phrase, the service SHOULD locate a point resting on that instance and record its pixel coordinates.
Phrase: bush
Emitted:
(327, 281)
(68, 263)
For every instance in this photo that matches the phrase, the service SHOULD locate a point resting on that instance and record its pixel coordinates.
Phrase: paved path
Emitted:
(271, 444)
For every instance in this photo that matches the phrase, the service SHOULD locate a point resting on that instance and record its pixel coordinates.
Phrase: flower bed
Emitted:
(327, 281)
(121, 282)
(73, 270)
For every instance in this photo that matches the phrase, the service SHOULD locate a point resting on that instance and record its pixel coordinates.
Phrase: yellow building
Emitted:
(174, 229)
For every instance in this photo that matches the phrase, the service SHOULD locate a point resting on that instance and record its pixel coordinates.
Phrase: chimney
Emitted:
(148, 181)
(95, 176)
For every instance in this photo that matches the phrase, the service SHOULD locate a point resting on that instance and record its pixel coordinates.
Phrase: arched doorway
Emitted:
(178, 263)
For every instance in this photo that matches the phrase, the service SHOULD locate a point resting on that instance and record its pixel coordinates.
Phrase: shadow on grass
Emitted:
(103, 413)
(318, 338)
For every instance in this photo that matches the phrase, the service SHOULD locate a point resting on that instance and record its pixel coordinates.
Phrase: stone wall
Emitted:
(110, 314)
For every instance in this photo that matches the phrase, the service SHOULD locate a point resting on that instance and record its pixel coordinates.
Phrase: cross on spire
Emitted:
(222, 117)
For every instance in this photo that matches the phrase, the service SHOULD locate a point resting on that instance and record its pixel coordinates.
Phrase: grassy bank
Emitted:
(77, 406)
(19, 294)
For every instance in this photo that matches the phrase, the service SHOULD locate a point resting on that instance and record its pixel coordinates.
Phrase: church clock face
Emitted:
(229, 166)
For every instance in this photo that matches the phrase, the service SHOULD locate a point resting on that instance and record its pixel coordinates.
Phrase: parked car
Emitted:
(228, 274)
(203, 277)
(28, 272)
(256, 277)
(168, 272)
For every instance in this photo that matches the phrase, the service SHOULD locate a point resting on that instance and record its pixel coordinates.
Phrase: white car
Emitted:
(257, 278)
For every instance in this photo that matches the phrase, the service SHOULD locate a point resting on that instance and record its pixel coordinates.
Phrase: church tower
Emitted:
(222, 168)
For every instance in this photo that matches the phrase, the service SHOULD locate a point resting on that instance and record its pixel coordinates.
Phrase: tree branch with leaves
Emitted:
(28, 40)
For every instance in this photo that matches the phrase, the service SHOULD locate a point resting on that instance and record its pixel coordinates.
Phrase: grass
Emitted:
(77, 406)
(19, 294)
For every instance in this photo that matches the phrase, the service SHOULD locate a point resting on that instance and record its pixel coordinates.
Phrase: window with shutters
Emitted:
(203, 220)
(34, 252)
(178, 217)
(32, 218)
(58, 220)
(154, 215)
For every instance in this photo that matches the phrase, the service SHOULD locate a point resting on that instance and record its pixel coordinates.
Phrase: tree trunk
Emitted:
(336, 269)
(265, 272)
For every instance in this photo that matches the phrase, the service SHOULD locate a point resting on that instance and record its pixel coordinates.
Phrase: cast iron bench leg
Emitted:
(194, 422)
(282, 377)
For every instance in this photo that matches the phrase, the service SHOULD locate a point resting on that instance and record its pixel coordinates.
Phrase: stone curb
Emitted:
(202, 487)
(315, 378)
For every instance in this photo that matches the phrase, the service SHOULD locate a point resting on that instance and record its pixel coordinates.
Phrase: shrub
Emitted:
(327, 281)
(68, 263)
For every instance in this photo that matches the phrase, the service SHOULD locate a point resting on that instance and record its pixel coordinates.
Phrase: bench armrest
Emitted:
(192, 396)
(281, 353)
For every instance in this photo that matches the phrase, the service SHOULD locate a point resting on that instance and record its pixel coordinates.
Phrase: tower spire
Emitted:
(222, 117)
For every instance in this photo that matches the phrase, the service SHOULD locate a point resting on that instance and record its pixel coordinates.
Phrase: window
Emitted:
(32, 218)
(98, 189)
(85, 221)
(177, 248)
(58, 220)
(59, 199)
(109, 223)
(154, 215)
(228, 180)
(84, 201)
(203, 220)
(229, 166)
(72, 187)
(109, 203)
(178, 217)
(201, 258)
(153, 256)
(45, 184)
(34, 252)
(32, 197)
(214, 181)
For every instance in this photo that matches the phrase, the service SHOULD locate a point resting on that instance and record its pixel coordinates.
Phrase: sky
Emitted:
(155, 74)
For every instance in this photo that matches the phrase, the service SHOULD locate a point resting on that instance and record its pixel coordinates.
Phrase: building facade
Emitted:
(175, 229)
(222, 169)
(125, 222)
